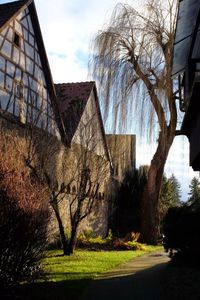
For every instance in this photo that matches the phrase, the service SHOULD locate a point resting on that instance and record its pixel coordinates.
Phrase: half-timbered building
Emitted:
(80, 112)
(32, 114)
(26, 88)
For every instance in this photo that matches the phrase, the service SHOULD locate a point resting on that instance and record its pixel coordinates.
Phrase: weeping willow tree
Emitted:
(132, 64)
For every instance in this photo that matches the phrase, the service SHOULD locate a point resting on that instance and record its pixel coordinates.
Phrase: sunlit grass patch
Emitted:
(67, 276)
(86, 264)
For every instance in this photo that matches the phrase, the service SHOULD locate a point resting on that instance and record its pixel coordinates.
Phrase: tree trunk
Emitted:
(61, 230)
(112, 199)
(72, 241)
(150, 220)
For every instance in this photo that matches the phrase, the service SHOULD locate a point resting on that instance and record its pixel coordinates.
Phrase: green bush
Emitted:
(92, 243)
(122, 245)
(136, 246)
(89, 233)
(182, 234)
(109, 243)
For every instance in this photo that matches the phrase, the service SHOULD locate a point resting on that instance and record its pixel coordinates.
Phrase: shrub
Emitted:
(89, 233)
(122, 245)
(109, 236)
(110, 243)
(136, 246)
(182, 233)
(89, 242)
(24, 217)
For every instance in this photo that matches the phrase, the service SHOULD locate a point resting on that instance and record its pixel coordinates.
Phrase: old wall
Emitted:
(45, 153)
(122, 149)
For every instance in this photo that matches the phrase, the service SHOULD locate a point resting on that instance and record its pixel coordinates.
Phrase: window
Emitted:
(17, 39)
(19, 91)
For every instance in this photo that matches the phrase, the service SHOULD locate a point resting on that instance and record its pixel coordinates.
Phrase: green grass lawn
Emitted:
(66, 277)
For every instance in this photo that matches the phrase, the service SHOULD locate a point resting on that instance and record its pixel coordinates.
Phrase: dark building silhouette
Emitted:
(186, 69)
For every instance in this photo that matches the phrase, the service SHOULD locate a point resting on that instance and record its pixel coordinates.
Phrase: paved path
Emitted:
(135, 280)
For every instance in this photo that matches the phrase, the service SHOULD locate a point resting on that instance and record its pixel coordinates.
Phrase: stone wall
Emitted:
(47, 155)
(122, 149)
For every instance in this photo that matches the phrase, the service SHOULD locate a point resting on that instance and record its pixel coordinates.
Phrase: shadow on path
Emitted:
(137, 280)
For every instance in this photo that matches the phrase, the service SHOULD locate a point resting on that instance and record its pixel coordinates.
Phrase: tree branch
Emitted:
(152, 95)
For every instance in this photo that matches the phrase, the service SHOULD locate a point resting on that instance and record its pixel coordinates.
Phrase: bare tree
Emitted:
(89, 177)
(37, 152)
(132, 61)
(80, 178)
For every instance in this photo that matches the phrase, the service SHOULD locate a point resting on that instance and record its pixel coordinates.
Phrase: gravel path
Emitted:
(138, 279)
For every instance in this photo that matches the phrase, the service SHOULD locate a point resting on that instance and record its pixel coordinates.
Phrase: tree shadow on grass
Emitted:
(162, 280)
(48, 290)
(62, 290)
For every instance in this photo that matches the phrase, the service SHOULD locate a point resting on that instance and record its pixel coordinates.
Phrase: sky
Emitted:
(68, 28)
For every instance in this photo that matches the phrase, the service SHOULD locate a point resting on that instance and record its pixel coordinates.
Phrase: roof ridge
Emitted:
(14, 2)
(9, 9)
(80, 82)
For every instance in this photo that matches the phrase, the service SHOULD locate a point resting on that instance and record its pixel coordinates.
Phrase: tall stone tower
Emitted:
(122, 149)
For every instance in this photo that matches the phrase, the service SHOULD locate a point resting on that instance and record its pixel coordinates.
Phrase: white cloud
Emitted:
(68, 28)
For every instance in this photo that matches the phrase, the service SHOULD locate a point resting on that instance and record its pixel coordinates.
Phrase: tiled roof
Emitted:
(7, 10)
(72, 99)
(73, 92)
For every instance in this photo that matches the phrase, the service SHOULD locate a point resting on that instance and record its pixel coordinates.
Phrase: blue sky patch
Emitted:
(59, 55)
(82, 58)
